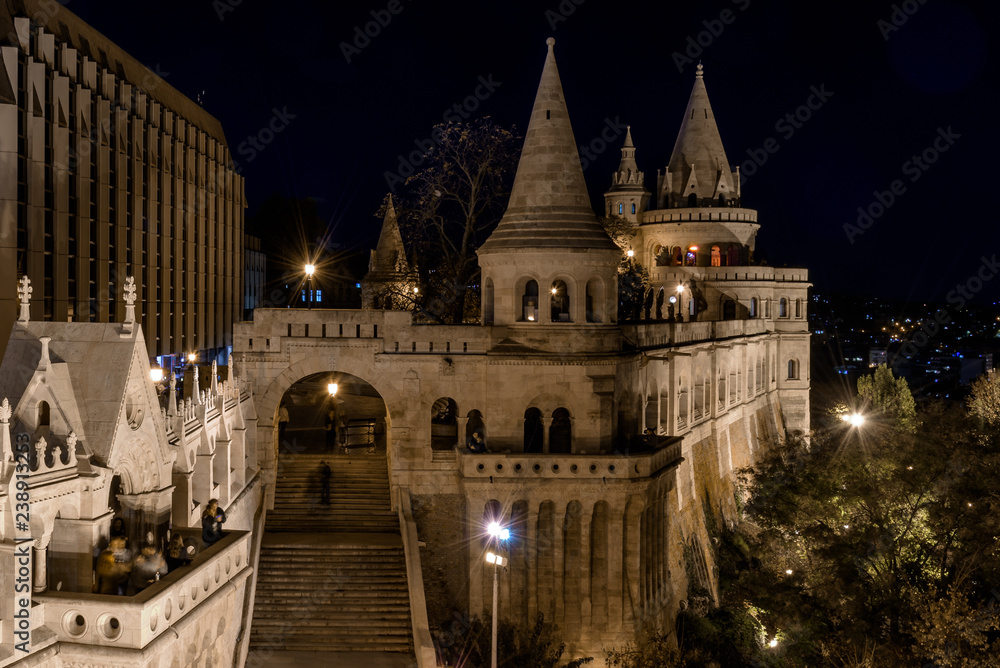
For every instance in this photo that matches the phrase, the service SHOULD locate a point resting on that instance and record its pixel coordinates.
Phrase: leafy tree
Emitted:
(633, 278)
(448, 209)
(889, 395)
(984, 399)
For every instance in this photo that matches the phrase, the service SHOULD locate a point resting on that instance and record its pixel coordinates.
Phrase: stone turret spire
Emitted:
(627, 196)
(549, 206)
(389, 254)
(699, 173)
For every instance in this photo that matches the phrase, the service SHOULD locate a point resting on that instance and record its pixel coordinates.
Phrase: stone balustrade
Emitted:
(684, 215)
(574, 467)
(676, 333)
(133, 622)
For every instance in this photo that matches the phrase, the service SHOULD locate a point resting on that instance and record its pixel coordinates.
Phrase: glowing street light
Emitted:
(497, 533)
(332, 389)
(156, 373)
(192, 357)
(630, 253)
(680, 288)
(773, 643)
(310, 270)
(854, 419)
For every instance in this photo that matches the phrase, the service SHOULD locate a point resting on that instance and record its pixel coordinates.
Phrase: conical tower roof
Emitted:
(699, 158)
(628, 176)
(389, 254)
(549, 206)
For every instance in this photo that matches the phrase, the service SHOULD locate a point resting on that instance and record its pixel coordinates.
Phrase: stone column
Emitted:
(203, 481)
(39, 571)
(558, 559)
(616, 561)
(546, 425)
(183, 499)
(222, 471)
(463, 423)
(585, 559)
(531, 557)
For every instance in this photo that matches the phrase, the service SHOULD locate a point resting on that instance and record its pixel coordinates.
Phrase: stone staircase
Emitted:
(332, 578)
(359, 495)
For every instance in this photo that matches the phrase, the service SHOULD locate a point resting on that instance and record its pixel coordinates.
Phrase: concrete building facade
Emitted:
(107, 171)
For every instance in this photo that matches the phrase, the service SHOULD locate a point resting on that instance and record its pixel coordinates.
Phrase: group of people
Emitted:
(120, 573)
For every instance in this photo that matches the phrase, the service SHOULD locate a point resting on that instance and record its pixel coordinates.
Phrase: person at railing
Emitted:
(114, 564)
(146, 569)
(211, 523)
(477, 444)
(282, 422)
(178, 553)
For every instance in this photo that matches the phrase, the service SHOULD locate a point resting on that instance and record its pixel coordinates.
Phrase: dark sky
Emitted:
(894, 92)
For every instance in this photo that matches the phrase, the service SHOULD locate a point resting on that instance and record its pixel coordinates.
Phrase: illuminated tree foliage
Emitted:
(984, 399)
(633, 278)
(448, 209)
(468, 644)
(876, 548)
(889, 395)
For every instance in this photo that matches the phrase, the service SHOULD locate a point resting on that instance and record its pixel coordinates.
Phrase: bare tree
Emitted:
(449, 208)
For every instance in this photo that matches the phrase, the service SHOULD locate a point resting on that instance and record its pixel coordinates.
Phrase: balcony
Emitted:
(570, 467)
(133, 622)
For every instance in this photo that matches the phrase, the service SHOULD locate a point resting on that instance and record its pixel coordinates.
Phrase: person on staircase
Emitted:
(331, 430)
(324, 481)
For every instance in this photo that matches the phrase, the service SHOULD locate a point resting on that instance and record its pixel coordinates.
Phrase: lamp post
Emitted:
(310, 270)
(497, 534)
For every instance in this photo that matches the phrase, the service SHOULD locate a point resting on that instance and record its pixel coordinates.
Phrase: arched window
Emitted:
(693, 200)
(678, 256)
(682, 401)
(444, 425)
(533, 437)
(798, 308)
(560, 301)
(716, 257)
(475, 424)
(782, 308)
(621, 208)
(729, 310)
(595, 300)
(793, 369)
(529, 302)
(488, 302)
(733, 256)
(560, 432)
(633, 208)
(691, 258)
(753, 307)
(43, 414)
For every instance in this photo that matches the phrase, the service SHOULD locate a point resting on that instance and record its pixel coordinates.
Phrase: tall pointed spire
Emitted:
(698, 165)
(628, 171)
(389, 254)
(549, 206)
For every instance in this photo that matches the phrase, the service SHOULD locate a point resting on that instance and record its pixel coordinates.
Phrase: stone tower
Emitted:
(628, 196)
(549, 260)
(390, 279)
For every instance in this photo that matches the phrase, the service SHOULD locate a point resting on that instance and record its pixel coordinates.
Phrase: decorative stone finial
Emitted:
(5, 411)
(172, 399)
(24, 294)
(43, 360)
(701, 71)
(551, 41)
(128, 292)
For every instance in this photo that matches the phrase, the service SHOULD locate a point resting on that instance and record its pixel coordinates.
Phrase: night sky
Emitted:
(895, 88)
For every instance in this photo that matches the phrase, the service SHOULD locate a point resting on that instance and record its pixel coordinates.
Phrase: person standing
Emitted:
(282, 422)
(331, 430)
(324, 481)
(211, 523)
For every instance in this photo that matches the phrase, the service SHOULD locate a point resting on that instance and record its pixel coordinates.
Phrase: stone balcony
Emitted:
(570, 467)
(133, 622)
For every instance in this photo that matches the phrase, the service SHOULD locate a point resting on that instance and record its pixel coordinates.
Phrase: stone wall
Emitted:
(441, 525)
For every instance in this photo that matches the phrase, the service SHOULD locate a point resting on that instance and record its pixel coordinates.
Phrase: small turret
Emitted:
(628, 196)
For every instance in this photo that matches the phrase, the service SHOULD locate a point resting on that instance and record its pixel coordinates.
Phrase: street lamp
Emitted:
(332, 389)
(310, 270)
(497, 533)
(156, 373)
(192, 357)
(854, 419)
